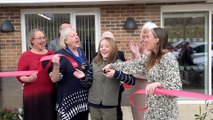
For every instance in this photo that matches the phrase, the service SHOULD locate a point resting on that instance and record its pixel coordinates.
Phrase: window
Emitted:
(85, 25)
(49, 22)
(188, 38)
(85, 21)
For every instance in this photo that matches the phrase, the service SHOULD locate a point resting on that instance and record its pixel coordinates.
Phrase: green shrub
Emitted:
(207, 114)
(6, 114)
(9, 114)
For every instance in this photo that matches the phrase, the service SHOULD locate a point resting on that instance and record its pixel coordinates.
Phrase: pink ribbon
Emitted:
(21, 73)
(177, 93)
(17, 73)
(49, 57)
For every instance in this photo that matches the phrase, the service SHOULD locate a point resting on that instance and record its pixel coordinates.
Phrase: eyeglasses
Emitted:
(40, 38)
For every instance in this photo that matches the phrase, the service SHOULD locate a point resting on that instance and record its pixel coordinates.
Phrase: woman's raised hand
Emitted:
(142, 48)
(134, 48)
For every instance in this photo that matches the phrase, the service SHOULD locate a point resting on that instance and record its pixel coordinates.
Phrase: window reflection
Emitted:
(85, 25)
(188, 41)
(47, 22)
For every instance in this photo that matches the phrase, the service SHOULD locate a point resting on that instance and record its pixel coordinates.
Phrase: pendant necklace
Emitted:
(79, 59)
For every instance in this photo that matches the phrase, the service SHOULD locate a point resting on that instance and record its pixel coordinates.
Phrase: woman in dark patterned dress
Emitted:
(162, 71)
(72, 95)
(38, 89)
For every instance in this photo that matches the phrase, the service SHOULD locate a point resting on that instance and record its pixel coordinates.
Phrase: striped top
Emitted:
(119, 75)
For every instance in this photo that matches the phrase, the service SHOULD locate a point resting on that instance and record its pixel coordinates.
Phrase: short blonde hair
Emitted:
(64, 36)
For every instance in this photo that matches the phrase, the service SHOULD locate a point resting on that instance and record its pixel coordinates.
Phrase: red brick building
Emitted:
(187, 20)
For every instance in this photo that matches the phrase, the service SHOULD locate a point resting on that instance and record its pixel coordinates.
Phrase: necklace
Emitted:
(78, 58)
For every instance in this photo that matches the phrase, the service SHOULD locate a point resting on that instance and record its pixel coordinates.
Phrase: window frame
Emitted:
(195, 8)
(72, 11)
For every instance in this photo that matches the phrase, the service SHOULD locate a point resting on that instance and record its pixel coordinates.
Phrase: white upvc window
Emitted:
(189, 28)
(86, 21)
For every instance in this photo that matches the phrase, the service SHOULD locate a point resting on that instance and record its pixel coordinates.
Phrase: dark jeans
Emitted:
(81, 116)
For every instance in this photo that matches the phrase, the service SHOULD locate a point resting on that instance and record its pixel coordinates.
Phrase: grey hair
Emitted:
(32, 34)
(64, 35)
(148, 26)
(107, 34)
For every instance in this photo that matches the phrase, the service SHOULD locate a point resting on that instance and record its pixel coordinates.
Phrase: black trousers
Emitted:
(81, 116)
(119, 110)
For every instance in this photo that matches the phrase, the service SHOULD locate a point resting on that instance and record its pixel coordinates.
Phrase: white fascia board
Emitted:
(57, 1)
(93, 1)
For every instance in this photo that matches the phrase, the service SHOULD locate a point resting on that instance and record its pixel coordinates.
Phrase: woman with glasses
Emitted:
(38, 89)
(162, 71)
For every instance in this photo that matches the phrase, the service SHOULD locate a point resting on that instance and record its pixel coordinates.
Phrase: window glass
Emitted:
(85, 25)
(188, 41)
(47, 22)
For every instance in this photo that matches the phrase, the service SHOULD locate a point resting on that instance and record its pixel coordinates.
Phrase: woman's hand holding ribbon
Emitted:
(29, 78)
(33, 77)
(150, 88)
(109, 73)
(56, 65)
(108, 66)
(55, 60)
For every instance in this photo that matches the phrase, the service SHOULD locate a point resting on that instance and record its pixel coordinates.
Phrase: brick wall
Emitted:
(10, 50)
(10, 43)
(114, 16)
(112, 19)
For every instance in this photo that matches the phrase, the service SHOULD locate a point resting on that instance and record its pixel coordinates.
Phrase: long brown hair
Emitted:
(113, 55)
(161, 45)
